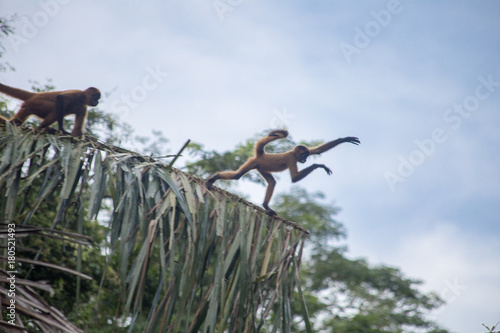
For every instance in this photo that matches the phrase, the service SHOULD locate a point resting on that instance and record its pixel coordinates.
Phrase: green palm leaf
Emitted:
(211, 261)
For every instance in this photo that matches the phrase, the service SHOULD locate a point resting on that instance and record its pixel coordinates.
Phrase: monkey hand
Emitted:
(279, 133)
(352, 139)
(327, 169)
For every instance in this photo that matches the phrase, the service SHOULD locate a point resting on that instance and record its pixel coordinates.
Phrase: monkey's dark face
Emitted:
(93, 95)
(94, 99)
(301, 153)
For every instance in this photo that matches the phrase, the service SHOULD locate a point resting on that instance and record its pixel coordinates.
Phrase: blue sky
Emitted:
(417, 82)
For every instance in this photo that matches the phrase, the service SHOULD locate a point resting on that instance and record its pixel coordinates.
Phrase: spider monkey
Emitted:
(53, 106)
(265, 164)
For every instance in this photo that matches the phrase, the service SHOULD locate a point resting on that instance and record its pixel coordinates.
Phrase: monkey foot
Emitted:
(271, 212)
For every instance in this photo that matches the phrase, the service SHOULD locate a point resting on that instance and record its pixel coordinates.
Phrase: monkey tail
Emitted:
(259, 146)
(16, 93)
(273, 135)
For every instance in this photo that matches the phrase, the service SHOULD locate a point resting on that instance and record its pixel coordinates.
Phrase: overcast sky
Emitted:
(417, 81)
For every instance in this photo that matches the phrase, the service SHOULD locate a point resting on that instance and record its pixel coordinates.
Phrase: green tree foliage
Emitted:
(492, 329)
(6, 29)
(189, 258)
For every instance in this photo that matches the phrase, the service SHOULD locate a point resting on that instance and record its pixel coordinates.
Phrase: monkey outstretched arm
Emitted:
(329, 145)
(299, 175)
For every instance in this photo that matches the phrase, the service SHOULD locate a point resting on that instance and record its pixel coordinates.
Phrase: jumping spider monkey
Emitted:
(266, 164)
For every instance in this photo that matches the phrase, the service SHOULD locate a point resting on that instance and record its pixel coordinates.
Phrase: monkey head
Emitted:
(92, 94)
(301, 153)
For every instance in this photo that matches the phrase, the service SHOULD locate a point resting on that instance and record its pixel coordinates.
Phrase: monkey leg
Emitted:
(271, 183)
(48, 120)
(227, 175)
(20, 117)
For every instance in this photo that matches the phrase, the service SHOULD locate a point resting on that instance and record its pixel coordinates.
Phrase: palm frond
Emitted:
(224, 264)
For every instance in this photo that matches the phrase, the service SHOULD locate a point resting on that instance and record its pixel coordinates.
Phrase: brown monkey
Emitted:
(265, 164)
(53, 106)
